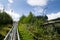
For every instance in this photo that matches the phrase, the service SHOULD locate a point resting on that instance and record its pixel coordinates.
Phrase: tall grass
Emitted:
(24, 33)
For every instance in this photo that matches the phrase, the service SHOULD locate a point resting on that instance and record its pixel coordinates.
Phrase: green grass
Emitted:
(24, 33)
(42, 33)
(4, 30)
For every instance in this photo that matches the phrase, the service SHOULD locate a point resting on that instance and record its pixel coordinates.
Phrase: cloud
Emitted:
(37, 2)
(53, 15)
(14, 15)
(10, 1)
(1, 7)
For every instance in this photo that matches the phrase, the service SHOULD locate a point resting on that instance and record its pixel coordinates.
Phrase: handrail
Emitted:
(8, 33)
(18, 35)
(52, 22)
(13, 34)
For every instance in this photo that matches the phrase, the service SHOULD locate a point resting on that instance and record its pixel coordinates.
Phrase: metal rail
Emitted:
(8, 35)
(18, 35)
(13, 33)
(52, 22)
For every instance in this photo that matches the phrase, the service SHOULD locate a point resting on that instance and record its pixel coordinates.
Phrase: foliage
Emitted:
(6, 23)
(5, 18)
(32, 27)
(22, 19)
(25, 34)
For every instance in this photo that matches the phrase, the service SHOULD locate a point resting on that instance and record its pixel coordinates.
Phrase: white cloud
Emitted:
(10, 1)
(1, 7)
(37, 2)
(53, 15)
(14, 15)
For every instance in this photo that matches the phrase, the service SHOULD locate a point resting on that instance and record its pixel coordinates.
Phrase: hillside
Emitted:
(32, 28)
(6, 23)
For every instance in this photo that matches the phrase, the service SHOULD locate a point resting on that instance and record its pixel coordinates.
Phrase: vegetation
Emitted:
(5, 24)
(24, 33)
(33, 28)
(5, 18)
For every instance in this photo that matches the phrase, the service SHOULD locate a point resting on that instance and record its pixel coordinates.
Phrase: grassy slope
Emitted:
(4, 30)
(24, 33)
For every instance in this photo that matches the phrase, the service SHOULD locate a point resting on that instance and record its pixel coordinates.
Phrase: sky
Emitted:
(17, 8)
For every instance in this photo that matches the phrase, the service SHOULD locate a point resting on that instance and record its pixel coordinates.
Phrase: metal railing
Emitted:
(8, 36)
(13, 34)
(18, 35)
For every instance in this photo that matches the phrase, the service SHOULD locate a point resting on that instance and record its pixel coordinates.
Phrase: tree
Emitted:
(46, 18)
(29, 19)
(5, 18)
(22, 19)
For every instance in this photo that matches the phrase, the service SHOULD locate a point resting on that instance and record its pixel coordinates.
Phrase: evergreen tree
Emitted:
(29, 19)
(5, 18)
(22, 19)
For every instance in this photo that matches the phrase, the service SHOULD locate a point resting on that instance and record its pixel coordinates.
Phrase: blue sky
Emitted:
(22, 7)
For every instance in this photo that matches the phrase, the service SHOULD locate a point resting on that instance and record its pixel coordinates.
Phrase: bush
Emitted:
(24, 33)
